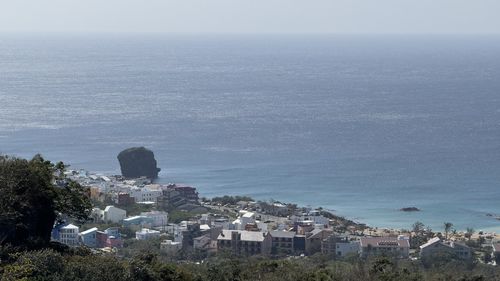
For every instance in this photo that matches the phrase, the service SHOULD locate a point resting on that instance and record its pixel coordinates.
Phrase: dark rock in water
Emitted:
(138, 162)
(410, 209)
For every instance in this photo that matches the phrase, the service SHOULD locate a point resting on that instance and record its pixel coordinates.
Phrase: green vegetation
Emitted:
(51, 265)
(177, 216)
(34, 195)
(231, 200)
(447, 229)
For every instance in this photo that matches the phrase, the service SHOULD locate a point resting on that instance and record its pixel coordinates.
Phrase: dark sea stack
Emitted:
(410, 209)
(138, 162)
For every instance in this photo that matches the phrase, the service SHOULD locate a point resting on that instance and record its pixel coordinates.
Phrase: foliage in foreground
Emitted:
(34, 194)
(81, 265)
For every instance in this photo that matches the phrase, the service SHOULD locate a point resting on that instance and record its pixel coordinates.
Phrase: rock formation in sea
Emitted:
(410, 209)
(138, 162)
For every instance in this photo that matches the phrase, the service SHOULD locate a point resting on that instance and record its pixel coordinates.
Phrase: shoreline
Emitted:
(373, 227)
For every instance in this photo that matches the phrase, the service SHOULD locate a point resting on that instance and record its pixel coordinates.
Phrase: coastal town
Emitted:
(181, 225)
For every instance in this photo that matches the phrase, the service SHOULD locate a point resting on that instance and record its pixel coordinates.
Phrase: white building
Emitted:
(435, 247)
(145, 194)
(114, 214)
(392, 246)
(69, 235)
(221, 222)
(313, 217)
(158, 218)
(97, 215)
(146, 234)
(170, 247)
(244, 219)
(343, 249)
(280, 209)
(247, 218)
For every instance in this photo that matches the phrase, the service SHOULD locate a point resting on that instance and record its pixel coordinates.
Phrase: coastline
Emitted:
(377, 229)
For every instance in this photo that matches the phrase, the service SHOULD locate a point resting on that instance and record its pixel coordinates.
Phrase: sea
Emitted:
(362, 125)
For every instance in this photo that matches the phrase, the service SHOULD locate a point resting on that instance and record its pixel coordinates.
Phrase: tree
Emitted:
(418, 227)
(36, 265)
(447, 228)
(95, 268)
(31, 201)
(469, 232)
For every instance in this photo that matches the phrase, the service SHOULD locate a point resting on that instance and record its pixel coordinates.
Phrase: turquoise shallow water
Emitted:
(360, 125)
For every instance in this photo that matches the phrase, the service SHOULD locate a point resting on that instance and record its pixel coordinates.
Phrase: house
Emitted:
(202, 242)
(242, 204)
(114, 242)
(114, 214)
(345, 248)
(245, 219)
(88, 237)
(101, 239)
(496, 252)
(109, 214)
(339, 247)
(299, 243)
(312, 217)
(188, 233)
(314, 238)
(145, 194)
(158, 218)
(170, 247)
(97, 215)
(393, 246)
(113, 231)
(280, 210)
(110, 237)
(245, 242)
(69, 235)
(221, 222)
(146, 234)
(435, 247)
(187, 192)
(282, 242)
(137, 221)
(124, 199)
(175, 196)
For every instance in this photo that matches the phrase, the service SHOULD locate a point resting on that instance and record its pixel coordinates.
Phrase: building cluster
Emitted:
(70, 235)
(144, 224)
(125, 192)
(270, 229)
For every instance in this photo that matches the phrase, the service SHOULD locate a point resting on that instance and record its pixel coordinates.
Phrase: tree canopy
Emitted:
(35, 194)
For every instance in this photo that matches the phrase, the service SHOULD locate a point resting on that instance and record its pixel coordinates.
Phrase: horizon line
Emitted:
(82, 32)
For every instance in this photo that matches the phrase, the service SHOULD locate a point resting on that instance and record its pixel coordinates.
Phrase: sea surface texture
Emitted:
(363, 125)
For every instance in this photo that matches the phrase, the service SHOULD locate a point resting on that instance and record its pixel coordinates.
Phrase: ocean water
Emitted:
(362, 125)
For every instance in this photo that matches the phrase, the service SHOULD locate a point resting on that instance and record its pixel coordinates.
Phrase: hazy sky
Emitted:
(252, 16)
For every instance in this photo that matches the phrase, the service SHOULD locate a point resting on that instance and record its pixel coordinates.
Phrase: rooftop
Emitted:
(248, 215)
(282, 234)
(255, 236)
(430, 242)
(70, 226)
(170, 242)
(147, 230)
(377, 242)
(94, 229)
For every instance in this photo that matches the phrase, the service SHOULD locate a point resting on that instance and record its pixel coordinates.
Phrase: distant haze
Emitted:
(252, 16)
